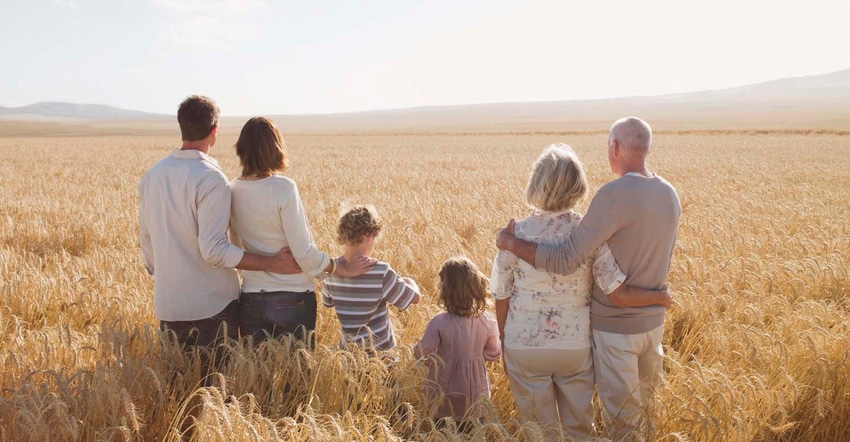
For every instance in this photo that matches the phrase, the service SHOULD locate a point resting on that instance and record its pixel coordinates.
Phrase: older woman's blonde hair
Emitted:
(557, 180)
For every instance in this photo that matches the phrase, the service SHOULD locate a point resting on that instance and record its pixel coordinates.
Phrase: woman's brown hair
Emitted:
(260, 148)
(463, 288)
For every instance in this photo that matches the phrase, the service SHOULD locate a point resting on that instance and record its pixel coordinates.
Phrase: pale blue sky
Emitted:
(273, 57)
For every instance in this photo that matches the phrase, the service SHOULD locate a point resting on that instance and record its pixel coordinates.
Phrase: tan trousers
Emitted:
(552, 386)
(627, 369)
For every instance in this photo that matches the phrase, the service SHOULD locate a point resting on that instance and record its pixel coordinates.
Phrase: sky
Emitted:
(265, 57)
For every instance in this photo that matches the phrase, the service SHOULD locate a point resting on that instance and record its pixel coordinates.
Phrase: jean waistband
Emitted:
(278, 295)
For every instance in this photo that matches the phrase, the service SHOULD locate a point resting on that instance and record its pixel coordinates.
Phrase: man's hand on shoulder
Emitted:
(356, 267)
(505, 238)
(524, 250)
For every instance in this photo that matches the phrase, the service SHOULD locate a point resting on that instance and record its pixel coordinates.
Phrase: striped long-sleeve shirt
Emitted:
(361, 304)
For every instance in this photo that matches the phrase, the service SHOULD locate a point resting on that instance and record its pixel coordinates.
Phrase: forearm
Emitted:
(524, 250)
(253, 262)
(630, 296)
(502, 307)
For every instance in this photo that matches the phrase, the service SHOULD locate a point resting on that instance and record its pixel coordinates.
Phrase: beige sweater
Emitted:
(639, 219)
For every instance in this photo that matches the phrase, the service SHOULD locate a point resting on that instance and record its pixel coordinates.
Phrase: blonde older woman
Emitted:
(544, 318)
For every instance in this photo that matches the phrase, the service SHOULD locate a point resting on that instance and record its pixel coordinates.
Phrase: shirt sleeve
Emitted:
(327, 299)
(600, 222)
(493, 347)
(396, 291)
(606, 272)
(213, 205)
(144, 232)
(294, 221)
(430, 341)
(502, 277)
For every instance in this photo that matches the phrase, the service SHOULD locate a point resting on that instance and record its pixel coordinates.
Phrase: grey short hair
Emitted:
(557, 180)
(632, 133)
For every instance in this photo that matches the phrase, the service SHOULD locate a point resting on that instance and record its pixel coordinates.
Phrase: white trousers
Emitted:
(627, 369)
(553, 386)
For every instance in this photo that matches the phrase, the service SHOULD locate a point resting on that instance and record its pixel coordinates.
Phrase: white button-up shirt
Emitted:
(184, 213)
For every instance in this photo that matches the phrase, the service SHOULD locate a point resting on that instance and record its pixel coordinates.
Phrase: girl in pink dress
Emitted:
(463, 337)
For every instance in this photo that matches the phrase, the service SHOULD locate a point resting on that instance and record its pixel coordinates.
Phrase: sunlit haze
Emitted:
(269, 57)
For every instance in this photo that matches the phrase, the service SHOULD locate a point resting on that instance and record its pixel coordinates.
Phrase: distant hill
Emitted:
(59, 111)
(820, 102)
(814, 102)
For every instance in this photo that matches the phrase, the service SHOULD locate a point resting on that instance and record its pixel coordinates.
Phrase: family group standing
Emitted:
(580, 301)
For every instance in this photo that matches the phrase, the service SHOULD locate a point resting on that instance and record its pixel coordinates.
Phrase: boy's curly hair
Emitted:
(463, 288)
(358, 223)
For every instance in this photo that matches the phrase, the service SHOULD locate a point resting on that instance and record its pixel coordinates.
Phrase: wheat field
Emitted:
(757, 341)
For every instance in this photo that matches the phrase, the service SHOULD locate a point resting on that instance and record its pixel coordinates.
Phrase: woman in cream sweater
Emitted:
(266, 215)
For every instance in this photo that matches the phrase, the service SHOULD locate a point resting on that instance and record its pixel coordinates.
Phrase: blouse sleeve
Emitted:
(606, 272)
(502, 277)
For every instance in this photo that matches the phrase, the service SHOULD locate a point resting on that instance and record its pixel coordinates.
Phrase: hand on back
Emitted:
(284, 263)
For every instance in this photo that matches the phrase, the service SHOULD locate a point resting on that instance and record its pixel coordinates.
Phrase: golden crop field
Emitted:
(757, 342)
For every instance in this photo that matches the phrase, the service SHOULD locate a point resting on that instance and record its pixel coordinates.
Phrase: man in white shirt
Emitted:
(184, 214)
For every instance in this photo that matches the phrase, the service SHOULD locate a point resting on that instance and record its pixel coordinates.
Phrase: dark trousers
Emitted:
(271, 314)
(206, 334)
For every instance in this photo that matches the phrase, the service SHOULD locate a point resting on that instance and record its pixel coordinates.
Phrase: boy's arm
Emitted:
(327, 300)
(410, 282)
(396, 291)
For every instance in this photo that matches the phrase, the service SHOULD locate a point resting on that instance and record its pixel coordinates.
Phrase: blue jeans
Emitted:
(271, 314)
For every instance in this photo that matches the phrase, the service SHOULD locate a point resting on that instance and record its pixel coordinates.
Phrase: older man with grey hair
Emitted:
(638, 216)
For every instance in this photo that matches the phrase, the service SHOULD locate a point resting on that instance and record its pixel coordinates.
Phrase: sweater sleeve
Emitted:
(294, 221)
(600, 222)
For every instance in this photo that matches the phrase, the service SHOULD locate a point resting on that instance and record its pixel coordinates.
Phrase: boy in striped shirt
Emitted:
(361, 302)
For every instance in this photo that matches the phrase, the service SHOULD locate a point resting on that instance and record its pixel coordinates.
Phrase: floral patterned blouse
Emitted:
(547, 309)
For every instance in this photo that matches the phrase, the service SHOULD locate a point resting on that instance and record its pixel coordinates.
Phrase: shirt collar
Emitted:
(543, 213)
(639, 175)
(192, 154)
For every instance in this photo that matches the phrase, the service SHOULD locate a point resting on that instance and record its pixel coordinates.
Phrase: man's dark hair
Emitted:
(197, 115)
